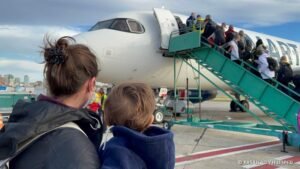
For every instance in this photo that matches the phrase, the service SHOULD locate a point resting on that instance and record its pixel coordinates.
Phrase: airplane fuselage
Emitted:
(127, 56)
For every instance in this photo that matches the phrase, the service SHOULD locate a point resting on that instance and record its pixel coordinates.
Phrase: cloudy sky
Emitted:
(23, 23)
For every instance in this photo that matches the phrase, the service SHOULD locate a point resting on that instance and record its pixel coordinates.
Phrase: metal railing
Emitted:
(248, 66)
(245, 64)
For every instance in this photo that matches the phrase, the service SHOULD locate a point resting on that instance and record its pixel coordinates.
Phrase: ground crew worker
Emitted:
(95, 104)
(103, 98)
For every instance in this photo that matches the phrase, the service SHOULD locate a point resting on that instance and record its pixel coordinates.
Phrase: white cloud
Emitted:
(251, 12)
(22, 41)
(34, 32)
(24, 25)
(20, 47)
(19, 68)
(78, 12)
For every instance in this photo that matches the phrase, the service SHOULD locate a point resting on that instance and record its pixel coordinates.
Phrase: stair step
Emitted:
(212, 55)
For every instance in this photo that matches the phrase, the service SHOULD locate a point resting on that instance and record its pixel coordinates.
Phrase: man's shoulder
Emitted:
(69, 143)
(67, 139)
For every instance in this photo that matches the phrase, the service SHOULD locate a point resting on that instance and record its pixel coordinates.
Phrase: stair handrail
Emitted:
(221, 50)
(277, 84)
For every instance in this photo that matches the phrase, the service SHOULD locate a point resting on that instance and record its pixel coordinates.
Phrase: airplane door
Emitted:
(167, 24)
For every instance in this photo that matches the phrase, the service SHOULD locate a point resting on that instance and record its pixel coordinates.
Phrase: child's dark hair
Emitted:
(130, 105)
(67, 66)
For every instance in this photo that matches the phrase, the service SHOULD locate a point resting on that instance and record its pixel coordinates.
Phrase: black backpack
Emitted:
(273, 65)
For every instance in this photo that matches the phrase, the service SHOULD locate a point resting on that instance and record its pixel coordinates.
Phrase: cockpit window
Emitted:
(102, 25)
(120, 24)
(135, 26)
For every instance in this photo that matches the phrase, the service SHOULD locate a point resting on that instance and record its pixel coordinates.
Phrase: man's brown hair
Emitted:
(67, 66)
(130, 105)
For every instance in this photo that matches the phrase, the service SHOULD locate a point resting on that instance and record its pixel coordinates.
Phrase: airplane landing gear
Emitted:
(236, 108)
(245, 103)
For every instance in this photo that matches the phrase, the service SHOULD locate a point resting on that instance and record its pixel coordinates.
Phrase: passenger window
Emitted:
(135, 27)
(120, 25)
(102, 25)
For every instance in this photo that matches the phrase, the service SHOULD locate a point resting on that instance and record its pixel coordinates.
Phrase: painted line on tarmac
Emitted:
(275, 164)
(265, 166)
(203, 155)
(293, 160)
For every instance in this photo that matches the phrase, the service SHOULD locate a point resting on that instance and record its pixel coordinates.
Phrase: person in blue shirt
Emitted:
(191, 21)
(135, 143)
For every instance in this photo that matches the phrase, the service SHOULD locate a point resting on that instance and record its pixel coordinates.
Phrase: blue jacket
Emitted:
(129, 149)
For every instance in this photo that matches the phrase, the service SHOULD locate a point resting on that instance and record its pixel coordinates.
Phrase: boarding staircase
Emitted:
(268, 98)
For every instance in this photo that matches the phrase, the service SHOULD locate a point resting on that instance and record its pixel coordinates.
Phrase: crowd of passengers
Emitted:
(237, 47)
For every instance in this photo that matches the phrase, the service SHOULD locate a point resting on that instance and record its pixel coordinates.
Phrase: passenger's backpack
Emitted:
(4, 163)
(273, 65)
(285, 73)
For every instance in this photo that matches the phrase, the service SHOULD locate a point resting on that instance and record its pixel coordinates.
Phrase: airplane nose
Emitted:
(80, 40)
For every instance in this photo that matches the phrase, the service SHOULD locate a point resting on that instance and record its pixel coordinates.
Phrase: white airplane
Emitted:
(130, 47)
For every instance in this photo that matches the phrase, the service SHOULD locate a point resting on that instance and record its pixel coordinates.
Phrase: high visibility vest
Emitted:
(97, 98)
(103, 100)
(200, 23)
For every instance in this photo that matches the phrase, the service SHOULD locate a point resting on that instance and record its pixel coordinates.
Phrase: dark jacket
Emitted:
(296, 97)
(219, 36)
(210, 28)
(190, 22)
(129, 149)
(63, 148)
(285, 73)
(229, 35)
(296, 81)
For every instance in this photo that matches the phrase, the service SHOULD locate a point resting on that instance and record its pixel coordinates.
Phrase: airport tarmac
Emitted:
(219, 149)
(229, 150)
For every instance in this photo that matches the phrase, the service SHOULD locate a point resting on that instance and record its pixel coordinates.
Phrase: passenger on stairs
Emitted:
(259, 43)
(247, 52)
(218, 37)
(190, 22)
(233, 49)
(200, 23)
(209, 28)
(263, 65)
(247, 56)
(181, 26)
(254, 57)
(285, 73)
(241, 44)
(224, 27)
(229, 34)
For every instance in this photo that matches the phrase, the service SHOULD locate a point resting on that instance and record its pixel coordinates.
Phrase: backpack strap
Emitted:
(71, 125)
(23, 146)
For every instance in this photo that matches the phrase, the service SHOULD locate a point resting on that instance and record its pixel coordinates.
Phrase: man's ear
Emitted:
(91, 84)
